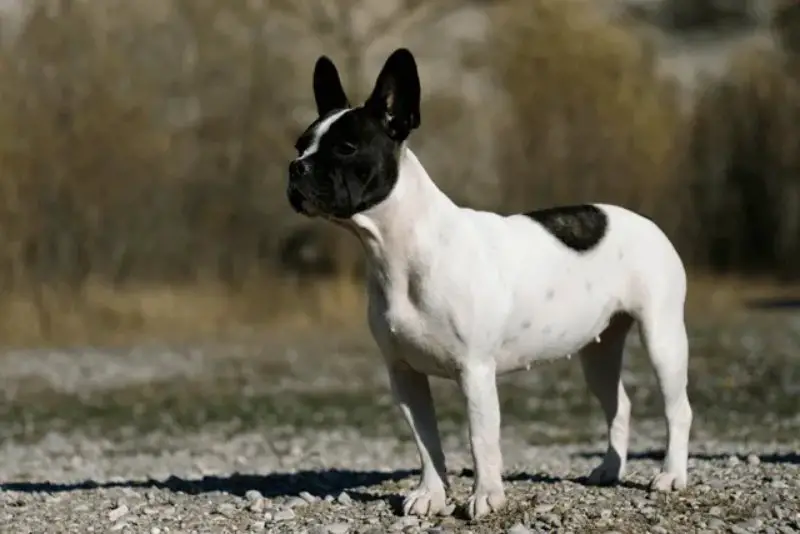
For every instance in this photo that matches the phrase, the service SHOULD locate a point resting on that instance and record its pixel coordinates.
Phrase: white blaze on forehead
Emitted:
(319, 131)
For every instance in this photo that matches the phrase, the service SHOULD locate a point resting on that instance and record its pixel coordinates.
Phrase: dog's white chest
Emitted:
(423, 338)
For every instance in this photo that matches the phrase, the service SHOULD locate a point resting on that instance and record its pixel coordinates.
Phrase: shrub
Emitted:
(744, 165)
(590, 119)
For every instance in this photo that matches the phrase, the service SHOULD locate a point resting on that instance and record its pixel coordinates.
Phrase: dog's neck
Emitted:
(400, 229)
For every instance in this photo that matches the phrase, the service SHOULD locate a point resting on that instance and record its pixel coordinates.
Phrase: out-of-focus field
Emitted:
(143, 146)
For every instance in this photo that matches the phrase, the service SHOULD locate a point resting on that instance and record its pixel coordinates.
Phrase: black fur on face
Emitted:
(348, 159)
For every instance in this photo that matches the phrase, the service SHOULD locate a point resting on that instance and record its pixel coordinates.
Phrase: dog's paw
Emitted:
(483, 502)
(667, 482)
(424, 501)
(605, 474)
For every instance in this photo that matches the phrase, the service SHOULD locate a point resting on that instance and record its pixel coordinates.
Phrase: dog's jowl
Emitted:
(539, 286)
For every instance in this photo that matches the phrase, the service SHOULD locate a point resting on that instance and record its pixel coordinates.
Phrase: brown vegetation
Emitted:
(143, 148)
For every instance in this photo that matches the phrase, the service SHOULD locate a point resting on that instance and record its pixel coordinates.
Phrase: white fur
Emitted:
(469, 295)
(319, 131)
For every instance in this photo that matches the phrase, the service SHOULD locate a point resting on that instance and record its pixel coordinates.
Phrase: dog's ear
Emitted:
(395, 98)
(328, 91)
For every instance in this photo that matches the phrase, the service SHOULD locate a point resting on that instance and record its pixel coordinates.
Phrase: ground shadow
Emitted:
(317, 483)
(658, 455)
(773, 303)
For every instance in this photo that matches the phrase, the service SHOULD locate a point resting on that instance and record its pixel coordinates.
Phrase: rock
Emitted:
(253, 495)
(733, 460)
(294, 502)
(283, 515)
(118, 513)
(543, 508)
(519, 528)
(344, 499)
(402, 523)
(225, 510)
(753, 459)
(306, 496)
(258, 505)
(338, 528)
(716, 511)
(716, 524)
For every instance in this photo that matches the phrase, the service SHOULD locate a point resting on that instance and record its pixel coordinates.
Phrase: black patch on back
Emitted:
(580, 227)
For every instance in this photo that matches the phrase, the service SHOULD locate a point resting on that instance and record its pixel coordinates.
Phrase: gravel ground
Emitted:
(290, 434)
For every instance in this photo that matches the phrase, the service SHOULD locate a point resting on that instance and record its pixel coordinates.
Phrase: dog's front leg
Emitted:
(413, 394)
(479, 385)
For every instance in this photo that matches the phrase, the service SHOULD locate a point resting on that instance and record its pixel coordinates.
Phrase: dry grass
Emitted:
(592, 119)
(744, 165)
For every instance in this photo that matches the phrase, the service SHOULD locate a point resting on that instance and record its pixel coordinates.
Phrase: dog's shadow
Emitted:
(333, 481)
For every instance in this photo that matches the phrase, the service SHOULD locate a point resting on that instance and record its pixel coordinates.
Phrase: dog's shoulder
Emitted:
(580, 227)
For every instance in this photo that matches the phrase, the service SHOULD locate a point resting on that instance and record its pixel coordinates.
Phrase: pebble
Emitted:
(338, 528)
(225, 509)
(253, 495)
(404, 522)
(306, 496)
(258, 505)
(294, 502)
(733, 460)
(716, 524)
(283, 515)
(518, 528)
(344, 499)
(117, 513)
(753, 459)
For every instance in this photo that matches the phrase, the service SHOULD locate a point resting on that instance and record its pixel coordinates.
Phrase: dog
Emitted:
(469, 295)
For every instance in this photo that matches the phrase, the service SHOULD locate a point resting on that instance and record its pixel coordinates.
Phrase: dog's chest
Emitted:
(419, 330)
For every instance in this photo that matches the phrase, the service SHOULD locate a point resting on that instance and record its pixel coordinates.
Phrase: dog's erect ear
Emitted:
(395, 98)
(328, 91)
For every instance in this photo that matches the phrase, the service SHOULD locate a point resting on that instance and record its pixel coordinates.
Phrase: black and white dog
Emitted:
(468, 295)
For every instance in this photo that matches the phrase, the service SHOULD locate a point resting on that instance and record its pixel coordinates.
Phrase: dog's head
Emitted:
(348, 159)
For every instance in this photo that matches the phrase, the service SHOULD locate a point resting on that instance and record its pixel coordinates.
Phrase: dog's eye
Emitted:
(345, 149)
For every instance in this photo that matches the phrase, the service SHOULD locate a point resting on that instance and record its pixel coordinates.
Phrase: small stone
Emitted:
(606, 514)
(257, 526)
(253, 495)
(753, 459)
(118, 526)
(752, 524)
(306, 496)
(338, 528)
(283, 515)
(258, 505)
(716, 511)
(408, 521)
(543, 508)
(117, 513)
(268, 516)
(736, 529)
(294, 502)
(225, 510)
(518, 528)
(155, 530)
(658, 529)
(329, 498)
(733, 460)
(344, 499)
(551, 519)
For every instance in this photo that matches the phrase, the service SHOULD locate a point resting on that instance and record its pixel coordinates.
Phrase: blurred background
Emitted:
(144, 145)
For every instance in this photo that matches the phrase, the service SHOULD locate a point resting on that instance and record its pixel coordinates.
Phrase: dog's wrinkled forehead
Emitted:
(354, 126)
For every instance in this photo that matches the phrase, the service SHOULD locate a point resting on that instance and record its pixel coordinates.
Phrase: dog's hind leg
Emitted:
(412, 393)
(602, 367)
(664, 334)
